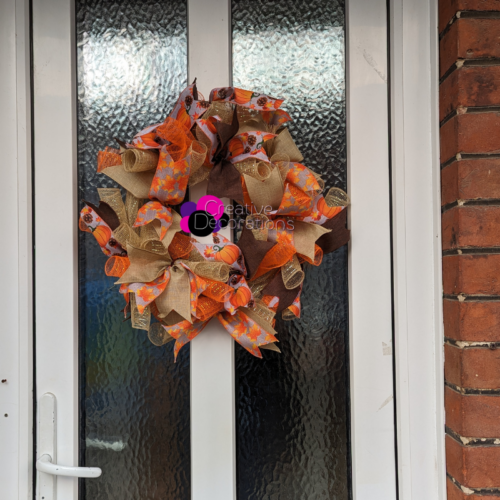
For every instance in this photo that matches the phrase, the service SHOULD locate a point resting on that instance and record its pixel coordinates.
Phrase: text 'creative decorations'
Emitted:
(238, 142)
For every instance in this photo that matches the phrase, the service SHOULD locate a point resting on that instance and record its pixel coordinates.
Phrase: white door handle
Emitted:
(44, 464)
(47, 452)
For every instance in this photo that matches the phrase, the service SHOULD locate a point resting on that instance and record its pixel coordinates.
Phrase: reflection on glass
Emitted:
(134, 401)
(292, 408)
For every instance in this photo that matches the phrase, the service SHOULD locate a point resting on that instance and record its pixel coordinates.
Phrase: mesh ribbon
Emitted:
(108, 158)
(217, 291)
(207, 307)
(278, 256)
(113, 197)
(180, 247)
(158, 335)
(139, 160)
(259, 170)
(142, 320)
(116, 266)
(292, 273)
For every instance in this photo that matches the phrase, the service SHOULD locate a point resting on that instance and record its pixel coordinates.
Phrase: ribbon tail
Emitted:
(184, 332)
(247, 332)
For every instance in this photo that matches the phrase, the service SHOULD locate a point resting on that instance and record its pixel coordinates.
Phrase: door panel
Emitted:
(292, 409)
(137, 409)
(134, 401)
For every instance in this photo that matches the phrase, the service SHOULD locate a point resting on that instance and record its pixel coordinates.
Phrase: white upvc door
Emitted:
(213, 454)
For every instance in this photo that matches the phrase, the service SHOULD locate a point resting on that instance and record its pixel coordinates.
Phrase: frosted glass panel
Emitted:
(134, 401)
(292, 408)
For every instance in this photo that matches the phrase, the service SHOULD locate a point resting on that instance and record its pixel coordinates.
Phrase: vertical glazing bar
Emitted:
(56, 221)
(212, 353)
(372, 402)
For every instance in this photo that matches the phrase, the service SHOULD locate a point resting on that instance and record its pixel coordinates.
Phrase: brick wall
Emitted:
(470, 156)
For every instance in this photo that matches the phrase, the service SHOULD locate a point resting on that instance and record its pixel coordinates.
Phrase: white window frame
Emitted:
(416, 197)
(416, 241)
(16, 305)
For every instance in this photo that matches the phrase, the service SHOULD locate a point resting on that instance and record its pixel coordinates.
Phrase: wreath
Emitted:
(237, 141)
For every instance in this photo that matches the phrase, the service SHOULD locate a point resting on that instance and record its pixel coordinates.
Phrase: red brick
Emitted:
(471, 226)
(455, 493)
(470, 133)
(469, 39)
(448, 8)
(474, 467)
(476, 368)
(470, 86)
(472, 321)
(472, 415)
(470, 180)
(471, 274)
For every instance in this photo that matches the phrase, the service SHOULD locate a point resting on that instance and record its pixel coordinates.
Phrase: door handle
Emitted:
(47, 452)
(44, 464)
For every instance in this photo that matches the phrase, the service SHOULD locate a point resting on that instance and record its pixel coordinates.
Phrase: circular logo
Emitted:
(205, 217)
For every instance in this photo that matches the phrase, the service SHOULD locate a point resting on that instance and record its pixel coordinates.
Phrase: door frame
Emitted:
(416, 244)
(417, 258)
(16, 255)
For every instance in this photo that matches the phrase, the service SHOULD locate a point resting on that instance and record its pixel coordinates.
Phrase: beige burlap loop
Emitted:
(153, 246)
(113, 197)
(270, 347)
(246, 115)
(172, 319)
(195, 256)
(199, 176)
(145, 266)
(266, 195)
(202, 137)
(196, 155)
(249, 121)
(177, 295)
(292, 273)
(139, 321)
(174, 228)
(282, 162)
(261, 309)
(124, 235)
(319, 180)
(259, 316)
(258, 224)
(336, 197)
(139, 160)
(217, 271)
(283, 144)
(305, 236)
(222, 109)
(138, 183)
(132, 205)
(287, 315)
(259, 170)
(158, 335)
(261, 282)
(149, 232)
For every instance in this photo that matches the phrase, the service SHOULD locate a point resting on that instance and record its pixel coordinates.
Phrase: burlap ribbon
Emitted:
(283, 144)
(266, 195)
(305, 236)
(139, 160)
(176, 296)
(138, 183)
(145, 266)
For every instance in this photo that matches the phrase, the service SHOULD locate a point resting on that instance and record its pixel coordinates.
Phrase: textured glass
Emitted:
(134, 401)
(292, 408)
